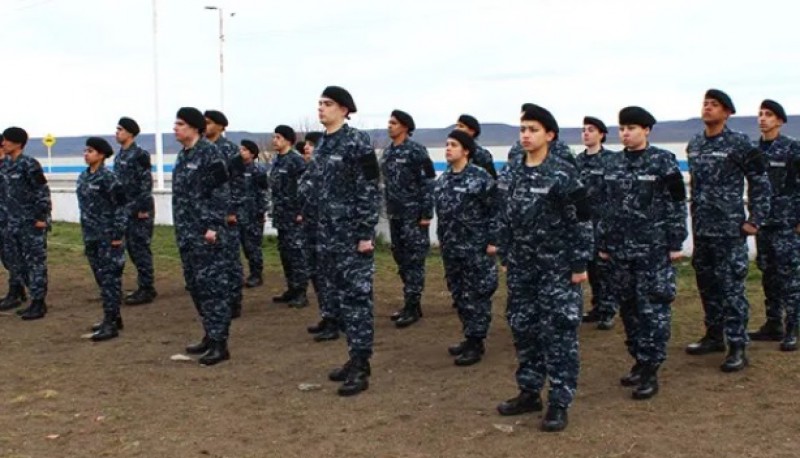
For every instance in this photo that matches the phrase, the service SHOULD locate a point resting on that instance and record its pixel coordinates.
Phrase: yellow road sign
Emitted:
(49, 140)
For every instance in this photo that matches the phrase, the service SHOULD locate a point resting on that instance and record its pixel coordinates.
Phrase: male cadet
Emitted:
(408, 186)
(254, 206)
(200, 209)
(640, 234)
(216, 123)
(101, 200)
(516, 153)
(545, 237)
(132, 168)
(29, 208)
(310, 142)
(16, 288)
(346, 186)
(777, 240)
(482, 157)
(590, 165)
(287, 167)
(465, 198)
(719, 162)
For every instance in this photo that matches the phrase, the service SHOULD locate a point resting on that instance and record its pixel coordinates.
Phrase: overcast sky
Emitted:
(72, 67)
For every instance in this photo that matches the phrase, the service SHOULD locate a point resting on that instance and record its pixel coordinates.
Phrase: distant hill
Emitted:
(491, 135)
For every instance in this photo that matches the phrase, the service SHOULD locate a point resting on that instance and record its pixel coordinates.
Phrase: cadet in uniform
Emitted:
(545, 238)
(310, 142)
(16, 288)
(101, 200)
(252, 215)
(719, 162)
(408, 177)
(465, 198)
(482, 157)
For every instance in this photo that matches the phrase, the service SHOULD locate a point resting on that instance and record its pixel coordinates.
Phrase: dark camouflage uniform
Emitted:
(104, 216)
(482, 157)
(28, 202)
(719, 167)
(466, 225)
(345, 182)
(591, 170)
(286, 205)
(309, 209)
(200, 202)
(132, 168)
(545, 236)
(643, 220)
(251, 217)
(13, 280)
(557, 148)
(777, 241)
(235, 270)
(408, 176)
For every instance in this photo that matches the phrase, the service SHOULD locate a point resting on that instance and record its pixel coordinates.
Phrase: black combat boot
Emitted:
(141, 296)
(634, 376)
(712, 342)
(14, 298)
(117, 322)
(283, 297)
(298, 299)
(37, 310)
(253, 281)
(340, 373)
(317, 328)
(396, 315)
(770, 331)
(108, 329)
(200, 347)
(457, 349)
(357, 377)
(789, 342)
(555, 419)
(736, 359)
(472, 354)
(606, 323)
(217, 353)
(331, 332)
(412, 314)
(648, 383)
(592, 316)
(525, 402)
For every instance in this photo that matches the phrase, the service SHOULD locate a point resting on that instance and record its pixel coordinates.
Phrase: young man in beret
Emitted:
(720, 160)
(132, 168)
(16, 287)
(29, 208)
(777, 240)
(545, 238)
(465, 198)
(408, 194)
(345, 180)
(101, 200)
(641, 232)
(200, 208)
(287, 167)
(216, 124)
(590, 164)
(482, 157)
(255, 203)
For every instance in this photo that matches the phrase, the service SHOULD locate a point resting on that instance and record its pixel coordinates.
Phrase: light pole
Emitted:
(221, 13)
(157, 132)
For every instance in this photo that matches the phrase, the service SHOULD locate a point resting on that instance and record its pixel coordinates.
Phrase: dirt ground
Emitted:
(63, 396)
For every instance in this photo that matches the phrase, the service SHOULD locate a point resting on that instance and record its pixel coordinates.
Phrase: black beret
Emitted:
(313, 137)
(299, 146)
(776, 108)
(592, 121)
(722, 98)
(637, 116)
(462, 137)
(251, 146)
(525, 106)
(471, 122)
(286, 132)
(341, 96)
(193, 117)
(217, 116)
(100, 145)
(405, 119)
(129, 125)
(541, 114)
(16, 135)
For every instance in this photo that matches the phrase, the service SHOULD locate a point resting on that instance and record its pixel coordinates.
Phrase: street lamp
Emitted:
(157, 133)
(221, 54)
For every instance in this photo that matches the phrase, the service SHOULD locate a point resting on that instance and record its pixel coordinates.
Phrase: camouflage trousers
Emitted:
(346, 279)
(472, 281)
(410, 246)
(602, 296)
(252, 238)
(14, 279)
(720, 265)
(206, 270)
(779, 261)
(235, 270)
(27, 256)
(138, 237)
(310, 249)
(645, 290)
(293, 260)
(107, 264)
(544, 312)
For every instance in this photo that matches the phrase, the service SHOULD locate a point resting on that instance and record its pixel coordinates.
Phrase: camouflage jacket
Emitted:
(483, 158)
(592, 169)
(284, 180)
(235, 166)
(132, 168)
(408, 180)
(101, 199)
(28, 193)
(255, 193)
(783, 168)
